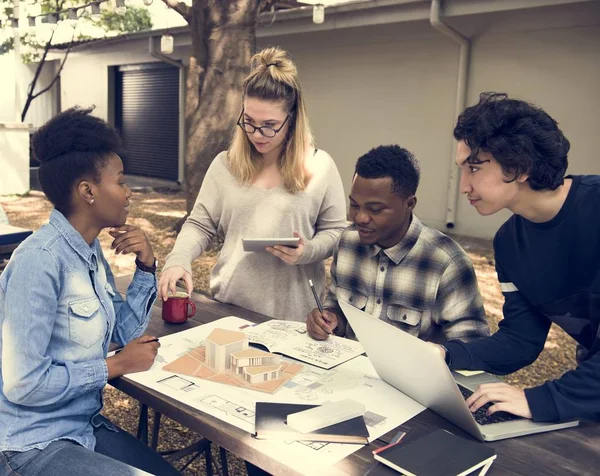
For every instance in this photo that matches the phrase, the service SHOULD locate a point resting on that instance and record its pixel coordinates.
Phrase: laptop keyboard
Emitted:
(480, 415)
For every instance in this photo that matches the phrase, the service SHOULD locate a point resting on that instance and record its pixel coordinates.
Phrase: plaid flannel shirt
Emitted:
(424, 285)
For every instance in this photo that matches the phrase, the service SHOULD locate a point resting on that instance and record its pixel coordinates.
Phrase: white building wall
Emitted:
(381, 85)
(396, 83)
(15, 79)
(554, 65)
(85, 79)
(14, 158)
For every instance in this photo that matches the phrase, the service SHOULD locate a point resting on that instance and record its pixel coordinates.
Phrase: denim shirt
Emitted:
(59, 311)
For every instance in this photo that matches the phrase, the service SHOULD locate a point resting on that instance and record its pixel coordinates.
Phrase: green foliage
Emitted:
(134, 19)
(33, 48)
(6, 45)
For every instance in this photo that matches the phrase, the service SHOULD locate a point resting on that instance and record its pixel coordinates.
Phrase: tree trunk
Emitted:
(223, 34)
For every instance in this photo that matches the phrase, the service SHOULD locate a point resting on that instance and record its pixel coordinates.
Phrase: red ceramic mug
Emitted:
(178, 308)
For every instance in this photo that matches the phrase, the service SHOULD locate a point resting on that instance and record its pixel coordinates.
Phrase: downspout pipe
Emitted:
(461, 98)
(155, 53)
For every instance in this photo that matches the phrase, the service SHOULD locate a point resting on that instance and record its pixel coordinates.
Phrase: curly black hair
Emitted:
(72, 145)
(523, 138)
(391, 161)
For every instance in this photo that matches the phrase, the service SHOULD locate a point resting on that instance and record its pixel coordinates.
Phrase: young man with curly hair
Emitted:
(393, 266)
(513, 155)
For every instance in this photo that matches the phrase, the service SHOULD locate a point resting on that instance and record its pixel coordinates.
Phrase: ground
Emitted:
(156, 213)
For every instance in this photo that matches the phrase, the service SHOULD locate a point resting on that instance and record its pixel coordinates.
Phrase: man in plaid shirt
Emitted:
(393, 267)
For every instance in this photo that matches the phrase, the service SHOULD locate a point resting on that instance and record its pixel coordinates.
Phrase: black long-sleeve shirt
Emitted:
(548, 272)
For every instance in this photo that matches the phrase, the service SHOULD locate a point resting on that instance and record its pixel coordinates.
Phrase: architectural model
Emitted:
(226, 358)
(220, 344)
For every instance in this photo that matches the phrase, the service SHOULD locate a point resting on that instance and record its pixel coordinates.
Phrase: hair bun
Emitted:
(74, 130)
(275, 57)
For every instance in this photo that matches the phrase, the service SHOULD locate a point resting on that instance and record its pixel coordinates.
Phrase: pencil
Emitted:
(317, 300)
(147, 342)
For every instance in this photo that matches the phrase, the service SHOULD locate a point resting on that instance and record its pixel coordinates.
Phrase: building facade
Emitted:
(379, 73)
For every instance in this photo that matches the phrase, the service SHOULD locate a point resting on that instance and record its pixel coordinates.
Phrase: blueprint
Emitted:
(386, 407)
(291, 338)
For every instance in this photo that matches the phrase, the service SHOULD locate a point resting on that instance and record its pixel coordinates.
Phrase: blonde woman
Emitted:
(272, 182)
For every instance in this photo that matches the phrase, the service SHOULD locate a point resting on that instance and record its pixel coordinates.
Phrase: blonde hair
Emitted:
(273, 77)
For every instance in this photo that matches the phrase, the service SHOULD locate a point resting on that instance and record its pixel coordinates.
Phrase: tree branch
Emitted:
(36, 76)
(62, 65)
(179, 7)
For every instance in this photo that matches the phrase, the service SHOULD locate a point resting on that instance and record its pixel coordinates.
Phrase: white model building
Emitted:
(220, 344)
(252, 357)
(262, 373)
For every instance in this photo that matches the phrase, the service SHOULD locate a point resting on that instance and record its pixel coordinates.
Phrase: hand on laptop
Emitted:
(506, 398)
(321, 325)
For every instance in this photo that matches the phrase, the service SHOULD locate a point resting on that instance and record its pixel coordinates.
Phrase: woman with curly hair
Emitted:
(60, 310)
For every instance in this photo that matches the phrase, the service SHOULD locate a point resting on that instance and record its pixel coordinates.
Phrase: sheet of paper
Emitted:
(469, 373)
(386, 407)
(291, 338)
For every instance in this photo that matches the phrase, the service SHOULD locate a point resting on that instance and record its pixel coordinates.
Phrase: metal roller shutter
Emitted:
(147, 114)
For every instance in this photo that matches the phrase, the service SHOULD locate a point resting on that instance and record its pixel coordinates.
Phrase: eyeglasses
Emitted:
(266, 131)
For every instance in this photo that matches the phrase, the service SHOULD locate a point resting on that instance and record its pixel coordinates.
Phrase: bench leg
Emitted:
(142, 431)
(202, 446)
(155, 430)
(223, 454)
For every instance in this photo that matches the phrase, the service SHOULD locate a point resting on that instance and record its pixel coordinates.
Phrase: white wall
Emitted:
(14, 158)
(85, 80)
(7, 88)
(396, 83)
(42, 108)
(550, 57)
(386, 85)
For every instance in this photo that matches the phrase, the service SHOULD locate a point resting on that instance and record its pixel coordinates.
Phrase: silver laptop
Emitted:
(418, 370)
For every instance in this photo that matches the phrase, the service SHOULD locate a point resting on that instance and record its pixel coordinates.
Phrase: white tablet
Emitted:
(259, 244)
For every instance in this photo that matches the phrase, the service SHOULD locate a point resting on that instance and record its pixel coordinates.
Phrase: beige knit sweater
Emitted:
(259, 281)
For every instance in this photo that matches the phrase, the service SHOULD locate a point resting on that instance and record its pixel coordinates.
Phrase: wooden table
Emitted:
(11, 237)
(574, 451)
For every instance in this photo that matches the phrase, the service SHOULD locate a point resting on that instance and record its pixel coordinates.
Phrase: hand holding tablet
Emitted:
(260, 244)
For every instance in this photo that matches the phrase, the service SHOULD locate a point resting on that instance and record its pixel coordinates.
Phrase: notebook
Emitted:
(440, 453)
(402, 437)
(270, 423)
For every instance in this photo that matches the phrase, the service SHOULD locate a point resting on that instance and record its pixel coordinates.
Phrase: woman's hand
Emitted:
(136, 356)
(168, 281)
(287, 254)
(132, 239)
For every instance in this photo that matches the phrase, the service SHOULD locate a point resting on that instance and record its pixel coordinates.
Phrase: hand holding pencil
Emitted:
(137, 356)
(320, 323)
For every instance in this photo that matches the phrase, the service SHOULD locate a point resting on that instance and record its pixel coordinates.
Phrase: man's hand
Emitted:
(132, 239)
(136, 356)
(287, 254)
(321, 325)
(507, 399)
